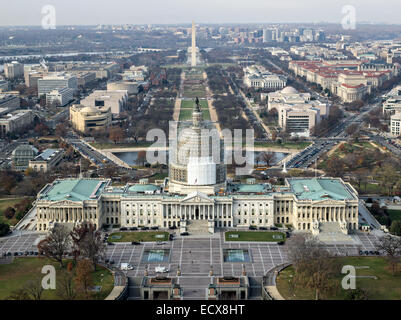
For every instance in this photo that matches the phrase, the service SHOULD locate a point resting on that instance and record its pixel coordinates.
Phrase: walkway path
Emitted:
(212, 110)
(177, 105)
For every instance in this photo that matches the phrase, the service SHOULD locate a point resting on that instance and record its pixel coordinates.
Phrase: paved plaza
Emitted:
(196, 256)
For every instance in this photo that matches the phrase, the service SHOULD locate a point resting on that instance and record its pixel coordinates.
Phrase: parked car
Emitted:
(135, 243)
(155, 228)
(123, 229)
(252, 228)
(110, 243)
(184, 233)
(133, 228)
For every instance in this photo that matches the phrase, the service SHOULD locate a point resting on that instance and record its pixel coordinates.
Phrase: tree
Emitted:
(312, 263)
(56, 243)
(65, 285)
(9, 213)
(356, 294)
(4, 229)
(395, 227)
(392, 246)
(19, 294)
(34, 288)
(83, 278)
(116, 134)
(88, 242)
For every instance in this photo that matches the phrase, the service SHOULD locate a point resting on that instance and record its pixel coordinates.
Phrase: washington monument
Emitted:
(193, 49)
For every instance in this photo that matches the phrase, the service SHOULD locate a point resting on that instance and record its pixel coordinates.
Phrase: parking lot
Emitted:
(19, 243)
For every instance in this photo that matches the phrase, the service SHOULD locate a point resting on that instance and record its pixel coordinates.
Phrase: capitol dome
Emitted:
(289, 89)
(196, 157)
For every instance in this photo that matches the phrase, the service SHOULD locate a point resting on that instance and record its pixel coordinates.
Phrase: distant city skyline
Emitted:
(91, 12)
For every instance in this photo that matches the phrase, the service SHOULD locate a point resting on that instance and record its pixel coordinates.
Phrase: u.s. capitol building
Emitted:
(198, 196)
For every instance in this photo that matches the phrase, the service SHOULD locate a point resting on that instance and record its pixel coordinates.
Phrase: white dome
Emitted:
(289, 89)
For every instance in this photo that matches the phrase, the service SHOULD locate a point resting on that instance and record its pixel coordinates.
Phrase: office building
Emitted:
(13, 70)
(87, 119)
(16, 121)
(395, 125)
(60, 97)
(46, 161)
(114, 100)
(297, 113)
(56, 81)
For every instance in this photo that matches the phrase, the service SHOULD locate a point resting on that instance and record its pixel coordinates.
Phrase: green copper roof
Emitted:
(319, 189)
(143, 187)
(74, 190)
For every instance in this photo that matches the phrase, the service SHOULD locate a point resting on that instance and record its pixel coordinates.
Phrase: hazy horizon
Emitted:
(90, 12)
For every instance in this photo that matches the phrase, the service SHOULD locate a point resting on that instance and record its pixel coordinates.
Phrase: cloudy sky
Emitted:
(91, 12)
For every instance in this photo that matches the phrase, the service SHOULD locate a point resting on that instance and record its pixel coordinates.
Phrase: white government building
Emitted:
(198, 198)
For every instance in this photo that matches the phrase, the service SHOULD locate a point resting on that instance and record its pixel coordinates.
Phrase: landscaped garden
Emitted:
(142, 236)
(267, 236)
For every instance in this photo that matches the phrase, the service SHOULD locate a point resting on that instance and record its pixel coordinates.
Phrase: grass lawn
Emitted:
(158, 176)
(386, 287)
(186, 114)
(144, 236)
(287, 145)
(394, 214)
(4, 204)
(14, 276)
(254, 236)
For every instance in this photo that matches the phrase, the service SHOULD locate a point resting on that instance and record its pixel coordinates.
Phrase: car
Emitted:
(155, 228)
(262, 228)
(252, 228)
(172, 227)
(159, 242)
(170, 237)
(126, 266)
(273, 228)
(123, 229)
(135, 243)
(110, 243)
(133, 228)
(145, 228)
(111, 262)
(184, 234)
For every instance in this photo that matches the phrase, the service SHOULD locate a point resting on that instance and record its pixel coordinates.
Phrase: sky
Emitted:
(93, 12)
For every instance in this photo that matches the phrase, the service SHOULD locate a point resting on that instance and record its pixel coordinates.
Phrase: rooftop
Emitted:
(73, 189)
(319, 189)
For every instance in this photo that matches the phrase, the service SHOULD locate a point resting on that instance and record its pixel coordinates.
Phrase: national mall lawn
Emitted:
(15, 275)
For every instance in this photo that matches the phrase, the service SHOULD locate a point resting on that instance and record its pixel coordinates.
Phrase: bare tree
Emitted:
(19, 294)
(392, 246)
(88, 242)
(56, 244)
(312, 262)
(65, 287)
(34, 288)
